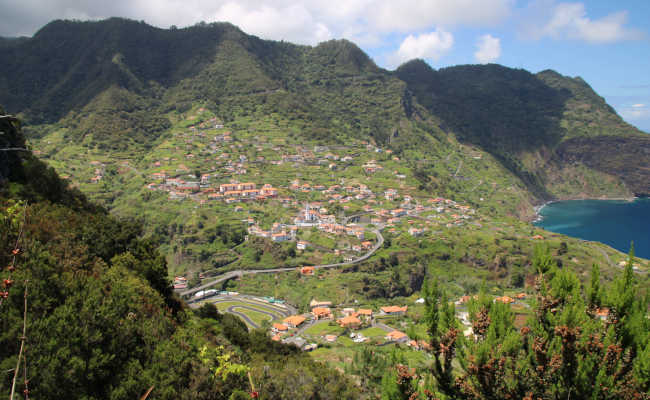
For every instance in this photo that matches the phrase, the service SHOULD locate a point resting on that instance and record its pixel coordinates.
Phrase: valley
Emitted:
(263, 206)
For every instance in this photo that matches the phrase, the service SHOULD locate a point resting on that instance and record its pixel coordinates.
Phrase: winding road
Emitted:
(245, 317)
(240, 273)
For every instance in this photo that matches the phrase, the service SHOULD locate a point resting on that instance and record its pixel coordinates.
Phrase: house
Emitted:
(521, 296)
(602, 313)
(366, 245)
(398, 212)
(505, 299)
(397, 336)
(391, 194)
(365, 312)
(394, 310)
(316, 303)
(349, 322)
(277, 328)
(301, 245)
(347, 311)
(321, 313)
(294, 321)
(330, 338)
(307, 271)
(280, 237)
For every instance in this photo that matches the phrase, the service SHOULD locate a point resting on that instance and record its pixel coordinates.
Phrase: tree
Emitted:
(442, 328)
(564, 351)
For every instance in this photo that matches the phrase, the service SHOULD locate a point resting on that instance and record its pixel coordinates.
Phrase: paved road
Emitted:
(231, 310)
(240, 273)
(382, 326)
(284, 310)
(243, 316)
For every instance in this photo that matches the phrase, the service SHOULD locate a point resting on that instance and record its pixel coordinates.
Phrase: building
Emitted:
(294, 321)
(316, 303)
(397, 336)
(301, 245)
(278, 328)
(365, 312)
(307, 271)
(505, 299)
(321, 313)
(348, 311)
(394, 310)
(349, 322)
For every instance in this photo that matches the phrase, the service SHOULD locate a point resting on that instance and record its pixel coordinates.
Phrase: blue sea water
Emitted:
(613, 222)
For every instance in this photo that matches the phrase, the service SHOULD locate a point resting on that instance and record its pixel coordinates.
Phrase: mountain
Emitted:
(113, 81)
(539, 125)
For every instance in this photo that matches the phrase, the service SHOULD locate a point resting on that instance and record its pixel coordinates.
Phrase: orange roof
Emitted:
(319, 311)
(602, 312)
(280, 327)
(276, 338)
(521, 296)
(396, 335)
(392, 309)
(294, 320)
(307, 270)
(365, 311)
(349, 320)
(505, 299)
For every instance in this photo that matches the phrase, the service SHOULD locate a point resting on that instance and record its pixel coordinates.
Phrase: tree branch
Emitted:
(22, 345)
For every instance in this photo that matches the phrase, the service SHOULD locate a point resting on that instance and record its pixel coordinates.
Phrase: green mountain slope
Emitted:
(541, 126)
(101, 319)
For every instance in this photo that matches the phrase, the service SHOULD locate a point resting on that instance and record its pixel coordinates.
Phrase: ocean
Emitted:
(613, 222)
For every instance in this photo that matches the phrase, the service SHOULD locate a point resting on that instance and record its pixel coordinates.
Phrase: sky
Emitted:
(607, 43)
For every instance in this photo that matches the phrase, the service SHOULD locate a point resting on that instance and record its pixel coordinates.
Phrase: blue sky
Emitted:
(607, 43)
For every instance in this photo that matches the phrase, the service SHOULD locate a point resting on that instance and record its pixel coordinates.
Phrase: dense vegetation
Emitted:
(565, 349)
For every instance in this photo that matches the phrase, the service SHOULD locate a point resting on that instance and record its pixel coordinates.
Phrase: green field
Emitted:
(373, 332)
(255, 316)
(323, 328)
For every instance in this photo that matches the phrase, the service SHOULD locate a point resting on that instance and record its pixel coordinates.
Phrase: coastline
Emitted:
(539, 217)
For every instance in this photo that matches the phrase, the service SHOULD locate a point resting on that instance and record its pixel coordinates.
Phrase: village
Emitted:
(327, 324)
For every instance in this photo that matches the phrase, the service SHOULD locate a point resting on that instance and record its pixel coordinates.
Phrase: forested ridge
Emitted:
(112, 83)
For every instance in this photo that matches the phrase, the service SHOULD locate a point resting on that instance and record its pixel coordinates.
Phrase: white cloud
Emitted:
(489, 49)
(294, 23)
(430, 46)
(635, 112)
(570, 21)
(305, 21)
(408, 15)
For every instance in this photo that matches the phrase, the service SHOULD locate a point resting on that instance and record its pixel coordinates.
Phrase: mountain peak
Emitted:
(345, 54)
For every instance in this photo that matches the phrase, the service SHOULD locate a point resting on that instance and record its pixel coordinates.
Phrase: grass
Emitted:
(255, 316)
(373, 332)
(324, 328)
